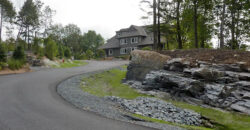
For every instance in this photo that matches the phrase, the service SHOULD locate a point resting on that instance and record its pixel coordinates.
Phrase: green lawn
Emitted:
(74, 63)
(108, 83)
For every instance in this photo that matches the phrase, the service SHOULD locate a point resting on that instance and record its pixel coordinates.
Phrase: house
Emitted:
(127, 40)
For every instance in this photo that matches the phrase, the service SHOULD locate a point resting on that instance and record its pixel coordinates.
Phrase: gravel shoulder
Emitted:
(70, 90)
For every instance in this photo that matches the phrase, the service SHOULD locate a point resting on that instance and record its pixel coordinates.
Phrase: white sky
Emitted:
(103, 16)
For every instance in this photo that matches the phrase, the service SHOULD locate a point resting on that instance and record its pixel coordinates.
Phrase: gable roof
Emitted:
(129, 32)
(111, 43)
(132, 31)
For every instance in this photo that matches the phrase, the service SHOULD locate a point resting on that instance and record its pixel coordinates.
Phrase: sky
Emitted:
(104, 16)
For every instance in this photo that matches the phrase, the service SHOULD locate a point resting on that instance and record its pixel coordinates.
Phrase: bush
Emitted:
(51, 49)
(19, 53)
(15, 64)
(3, 56)
(100, 54)
(147, 48)
(89, 54)
(67, 53)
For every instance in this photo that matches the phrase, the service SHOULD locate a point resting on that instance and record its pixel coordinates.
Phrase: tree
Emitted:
(67, 53)
(51, 49)
(19, 53)
(91, 41)
(3, 56)
(28, 19)
(7, 14)
(47, 20)
(89, 54)
(178, 24)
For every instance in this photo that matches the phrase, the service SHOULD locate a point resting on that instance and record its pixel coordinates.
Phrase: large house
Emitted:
(127, 40)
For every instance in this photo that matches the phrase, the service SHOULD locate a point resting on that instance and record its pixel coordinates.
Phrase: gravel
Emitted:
(71, 91)
(158, 109)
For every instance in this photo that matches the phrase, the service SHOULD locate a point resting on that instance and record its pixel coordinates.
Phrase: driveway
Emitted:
(29, 102)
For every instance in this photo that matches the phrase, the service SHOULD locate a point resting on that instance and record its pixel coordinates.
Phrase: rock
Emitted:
(207, 73)
(242, 106)
(142, 62)
(168, 80)
(37, 63)
(155, 108)
(177, 64)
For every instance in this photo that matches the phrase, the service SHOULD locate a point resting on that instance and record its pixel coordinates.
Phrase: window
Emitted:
(134, 40)
(110, 52)
(123, 51)
(123, 41)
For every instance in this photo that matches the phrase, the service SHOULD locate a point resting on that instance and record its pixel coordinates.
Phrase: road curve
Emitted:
(29, 102)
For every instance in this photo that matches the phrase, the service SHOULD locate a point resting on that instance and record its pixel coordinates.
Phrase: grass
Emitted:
(169, 123)
(75, 63)
(108, 83)
(223, 119)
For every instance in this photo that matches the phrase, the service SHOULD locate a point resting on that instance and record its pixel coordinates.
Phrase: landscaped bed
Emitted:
(109, 83)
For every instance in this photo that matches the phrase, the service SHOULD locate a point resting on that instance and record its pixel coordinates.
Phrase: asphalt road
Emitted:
(29, 102)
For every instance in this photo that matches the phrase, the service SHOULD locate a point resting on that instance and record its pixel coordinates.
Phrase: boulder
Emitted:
(208, 74)
(142, 62)
(177, 64)
(173, 81)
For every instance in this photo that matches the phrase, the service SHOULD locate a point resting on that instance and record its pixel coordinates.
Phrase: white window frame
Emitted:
(134, 40)
(111, 52)
(133, 48)
(123, 51)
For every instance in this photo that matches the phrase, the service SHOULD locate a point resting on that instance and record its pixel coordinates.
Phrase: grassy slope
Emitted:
(71, 64)
(109, 83)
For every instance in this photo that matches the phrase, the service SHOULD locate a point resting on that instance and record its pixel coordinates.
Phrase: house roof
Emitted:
(130, 32)
(111, 43)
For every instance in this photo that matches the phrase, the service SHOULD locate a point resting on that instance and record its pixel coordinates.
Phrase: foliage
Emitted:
(19, 54)
(15, 64)
(3, 56)
(7, 13)
(100, 53)
(51, 49)
(147, 48)
(89, 54)
(61, 51)
(67, 52)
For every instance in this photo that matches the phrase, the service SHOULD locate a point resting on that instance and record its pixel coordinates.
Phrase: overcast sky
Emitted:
(103, 16)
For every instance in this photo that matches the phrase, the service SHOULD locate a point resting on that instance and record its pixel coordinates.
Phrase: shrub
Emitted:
(3, 56)
(100, 54)
(67, 53)
(15, 64)
(147, 48)
(19, 53)
(89, 54)
(51, 49)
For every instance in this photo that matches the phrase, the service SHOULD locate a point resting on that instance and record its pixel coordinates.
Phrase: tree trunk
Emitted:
(154, 25)
(178, 25)
(1, 24)
(233, 31)
(237, 29)
(222, 44)
(159, 46)
(195, 25)
(29, 46)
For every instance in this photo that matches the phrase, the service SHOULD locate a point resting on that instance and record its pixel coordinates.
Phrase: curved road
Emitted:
(29, 102)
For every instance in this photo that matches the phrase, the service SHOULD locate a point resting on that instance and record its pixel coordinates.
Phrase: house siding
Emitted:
(144, 38)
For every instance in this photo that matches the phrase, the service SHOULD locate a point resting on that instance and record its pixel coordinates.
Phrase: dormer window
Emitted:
(134, 40)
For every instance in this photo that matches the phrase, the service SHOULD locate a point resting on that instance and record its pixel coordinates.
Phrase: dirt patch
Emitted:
(20, 71)
(212, 56)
